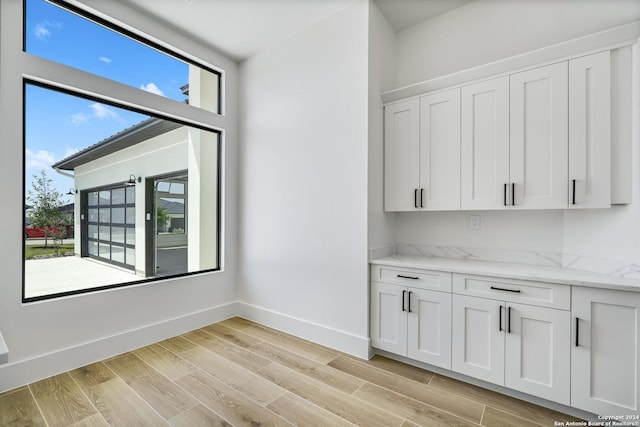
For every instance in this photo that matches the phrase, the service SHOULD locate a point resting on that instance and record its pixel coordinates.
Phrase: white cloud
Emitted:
(98, 111)
(79, 119)
(105, 59)
(101, 111)
(151, 87)
(42, 30)
(40, 159)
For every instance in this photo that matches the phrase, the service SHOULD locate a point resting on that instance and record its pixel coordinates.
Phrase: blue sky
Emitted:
(57, 125)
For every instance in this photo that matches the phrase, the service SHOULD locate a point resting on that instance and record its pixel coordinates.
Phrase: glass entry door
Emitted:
(170, 240)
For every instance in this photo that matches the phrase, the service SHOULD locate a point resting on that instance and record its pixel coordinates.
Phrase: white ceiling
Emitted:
(403, 14)
(241, 28)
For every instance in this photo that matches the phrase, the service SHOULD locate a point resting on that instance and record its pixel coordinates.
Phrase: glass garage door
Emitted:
(111, 225)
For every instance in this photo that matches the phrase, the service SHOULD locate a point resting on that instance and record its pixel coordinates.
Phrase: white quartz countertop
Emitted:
(565, 276)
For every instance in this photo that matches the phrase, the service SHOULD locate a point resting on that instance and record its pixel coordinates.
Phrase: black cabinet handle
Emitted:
(409, 300)
(422, 197)
(505, 193)
(506, 290)
(513, 194)
(403, 293)
(407, 277)
(573, 197)
(509, 321)
(500, 319)
(415, 198)
(577, 330)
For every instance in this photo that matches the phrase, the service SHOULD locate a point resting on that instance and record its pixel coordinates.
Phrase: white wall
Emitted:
(381, 79)
(489, 30)
(48, 337)
(539, 231)
(303, 183)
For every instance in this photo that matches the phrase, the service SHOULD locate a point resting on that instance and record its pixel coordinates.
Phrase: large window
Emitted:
(116, 190)
(54, 33)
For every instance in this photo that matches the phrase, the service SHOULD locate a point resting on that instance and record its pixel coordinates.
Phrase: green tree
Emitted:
(45, 211)
(162, 218)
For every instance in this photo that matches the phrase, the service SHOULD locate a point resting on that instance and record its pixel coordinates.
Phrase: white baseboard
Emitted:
(23, 372)
(339, 340)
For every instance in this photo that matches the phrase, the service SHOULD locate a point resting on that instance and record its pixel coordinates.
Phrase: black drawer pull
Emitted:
(409, 277)
(506, 290)
(577, 330)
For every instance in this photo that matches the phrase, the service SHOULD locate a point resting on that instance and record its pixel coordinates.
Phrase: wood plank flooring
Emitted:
(239, 373)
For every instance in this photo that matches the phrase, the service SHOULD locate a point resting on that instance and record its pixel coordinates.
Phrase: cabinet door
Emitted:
(605, 361)
(440, 151)
(485, 145)
(429, 327)
(388, 318)
(401, 155)
(477, 347)
(538, 137)
(590, 131)
(537, 351)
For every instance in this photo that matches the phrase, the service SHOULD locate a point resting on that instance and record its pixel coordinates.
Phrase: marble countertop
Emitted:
(508, 270)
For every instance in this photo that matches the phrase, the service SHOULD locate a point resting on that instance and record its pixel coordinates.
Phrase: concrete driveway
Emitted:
(71, 273)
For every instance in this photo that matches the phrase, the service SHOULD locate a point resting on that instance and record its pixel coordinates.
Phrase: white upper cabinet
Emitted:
(590, 131)
(440, 151)
(401, 156)
(538, 138)
(422, 153)
(485, 145)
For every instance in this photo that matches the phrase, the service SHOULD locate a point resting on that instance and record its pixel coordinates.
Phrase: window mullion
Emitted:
(71, 79)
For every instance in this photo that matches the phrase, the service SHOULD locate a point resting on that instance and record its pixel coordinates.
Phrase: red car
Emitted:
(31, 232)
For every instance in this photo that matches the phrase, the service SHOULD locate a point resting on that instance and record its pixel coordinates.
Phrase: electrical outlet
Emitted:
(474, 222)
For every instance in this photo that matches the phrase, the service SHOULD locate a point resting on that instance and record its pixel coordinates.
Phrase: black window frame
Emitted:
(138, 109)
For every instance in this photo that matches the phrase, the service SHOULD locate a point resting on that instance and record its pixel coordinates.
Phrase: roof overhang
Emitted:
(136, 134)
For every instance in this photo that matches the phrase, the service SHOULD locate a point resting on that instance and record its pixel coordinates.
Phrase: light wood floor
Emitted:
(240, 373)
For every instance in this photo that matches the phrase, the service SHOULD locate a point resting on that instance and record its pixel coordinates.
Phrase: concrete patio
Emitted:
(65, 274)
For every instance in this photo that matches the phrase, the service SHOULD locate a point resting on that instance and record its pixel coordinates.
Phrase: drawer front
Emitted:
(413, 277)
(521, 291)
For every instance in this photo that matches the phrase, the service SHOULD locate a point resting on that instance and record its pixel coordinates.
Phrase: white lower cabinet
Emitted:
(537, 359)
(412, 321)
(522, 347)
(388, 322)
(605, 356)
(501, 337)
(478, 338)
(429, 327)
(573, 345)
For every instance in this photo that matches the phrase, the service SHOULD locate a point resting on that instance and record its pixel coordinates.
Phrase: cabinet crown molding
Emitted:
(623, 35)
